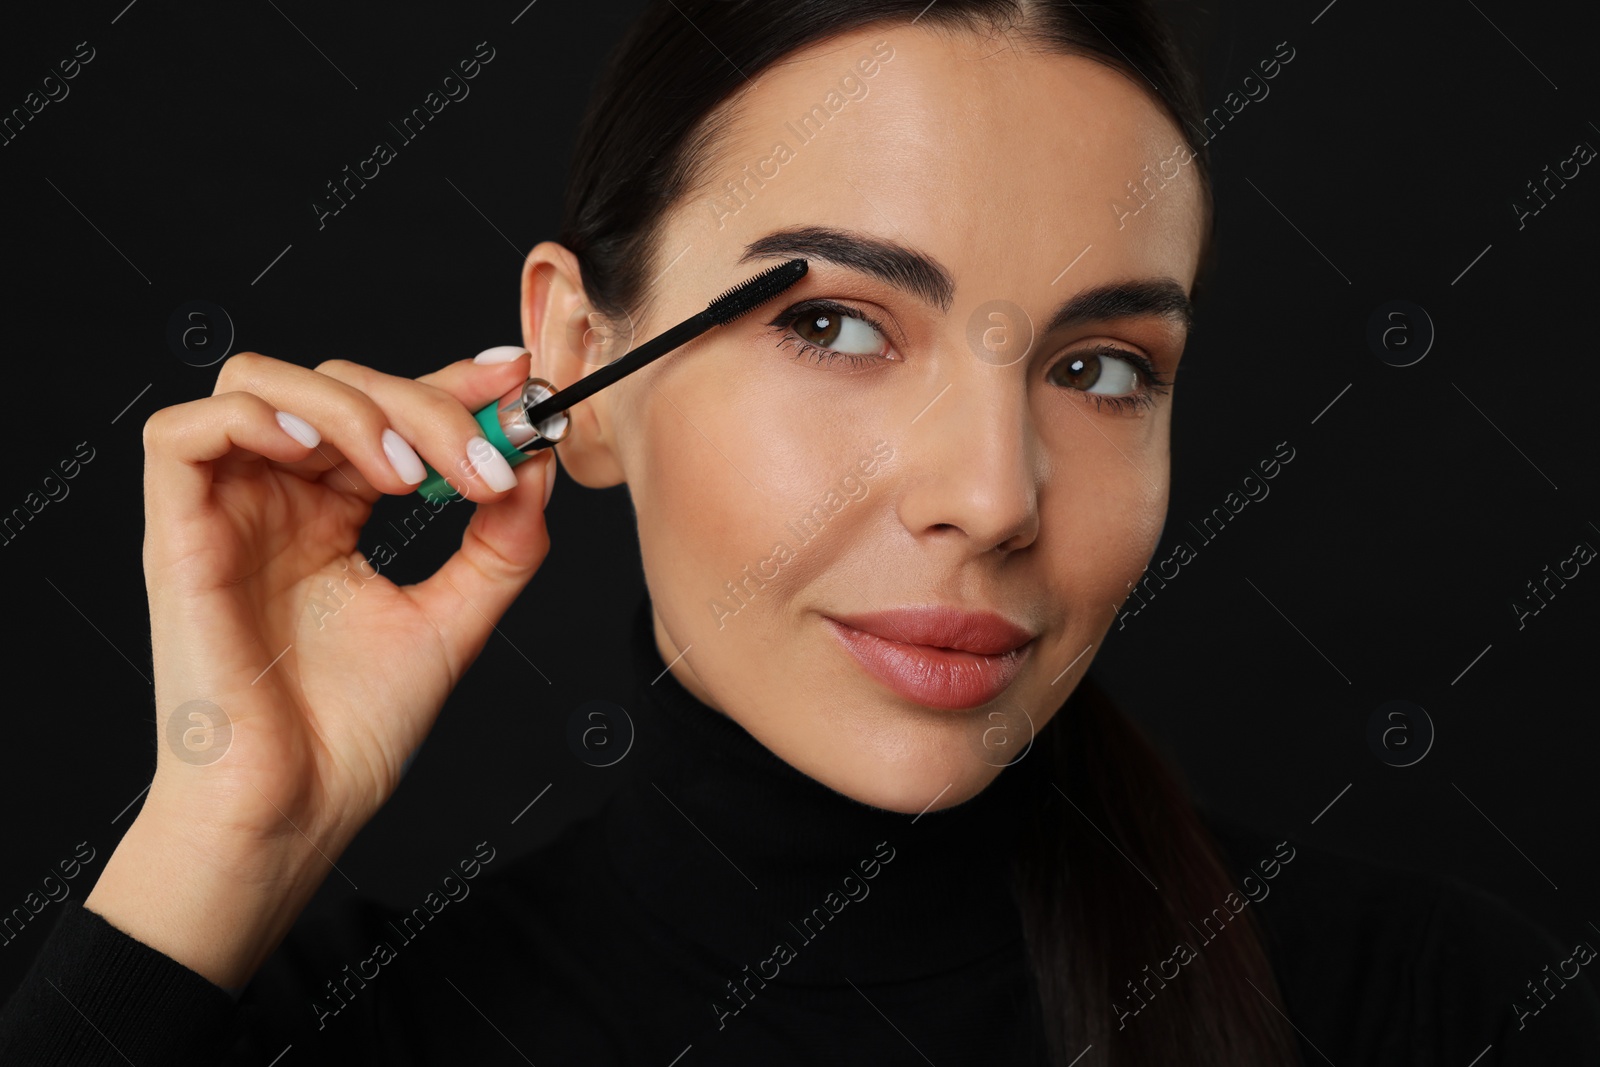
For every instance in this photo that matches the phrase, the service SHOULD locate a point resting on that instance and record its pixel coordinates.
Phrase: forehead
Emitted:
(1001, 161)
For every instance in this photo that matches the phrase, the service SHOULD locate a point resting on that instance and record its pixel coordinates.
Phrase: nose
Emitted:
(972, 464)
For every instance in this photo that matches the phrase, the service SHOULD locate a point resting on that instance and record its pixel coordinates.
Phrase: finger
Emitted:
(355, 427)
(440, 424)
(264, 376)
(502, 547)
(474, 384)
(183, 442)
(244, 369)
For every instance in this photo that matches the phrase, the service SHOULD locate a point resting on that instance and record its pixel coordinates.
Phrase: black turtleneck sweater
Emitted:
(724, 908)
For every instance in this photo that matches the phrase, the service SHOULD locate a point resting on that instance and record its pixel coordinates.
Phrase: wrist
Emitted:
(219, 908)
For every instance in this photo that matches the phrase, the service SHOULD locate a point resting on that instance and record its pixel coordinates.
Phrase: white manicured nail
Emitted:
(488, 462)
(299, 429)
(402, 458)
(499, 354)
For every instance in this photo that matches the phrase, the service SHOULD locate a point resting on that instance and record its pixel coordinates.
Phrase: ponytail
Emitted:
(1110, 878)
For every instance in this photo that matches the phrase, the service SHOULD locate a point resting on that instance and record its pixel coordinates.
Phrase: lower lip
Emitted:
(930, 676)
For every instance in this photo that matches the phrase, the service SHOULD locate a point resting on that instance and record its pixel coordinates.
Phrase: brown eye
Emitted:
(1086, 370)
(819, 328)
(828, 332)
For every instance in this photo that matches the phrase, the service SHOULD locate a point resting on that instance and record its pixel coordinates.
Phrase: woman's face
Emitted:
(969, 188)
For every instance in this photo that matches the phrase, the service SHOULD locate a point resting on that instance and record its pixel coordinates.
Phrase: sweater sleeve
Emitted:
(365, 984)
(95, 995)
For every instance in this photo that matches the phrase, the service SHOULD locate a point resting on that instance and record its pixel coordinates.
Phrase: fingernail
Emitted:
(299, 429)
(488, 462)
(549, 477)
(499, 354)
(403, 458)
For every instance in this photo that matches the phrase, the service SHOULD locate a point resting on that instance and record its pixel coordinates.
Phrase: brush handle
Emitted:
(506, 425)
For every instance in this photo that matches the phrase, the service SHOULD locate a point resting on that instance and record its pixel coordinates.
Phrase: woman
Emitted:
(885, 520)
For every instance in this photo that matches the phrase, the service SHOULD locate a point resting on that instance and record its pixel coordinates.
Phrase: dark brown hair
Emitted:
(646, 142)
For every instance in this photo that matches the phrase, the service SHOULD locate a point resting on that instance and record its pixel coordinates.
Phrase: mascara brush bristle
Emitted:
(753, 292)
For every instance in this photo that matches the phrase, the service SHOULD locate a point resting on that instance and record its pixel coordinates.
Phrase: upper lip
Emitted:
(983, 632)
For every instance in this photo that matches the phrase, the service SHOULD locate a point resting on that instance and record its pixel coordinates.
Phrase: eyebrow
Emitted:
(925, 278)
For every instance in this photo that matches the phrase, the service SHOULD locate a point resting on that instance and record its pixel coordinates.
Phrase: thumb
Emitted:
(504, 544)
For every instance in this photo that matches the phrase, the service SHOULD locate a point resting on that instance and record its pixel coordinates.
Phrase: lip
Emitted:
(937, 657)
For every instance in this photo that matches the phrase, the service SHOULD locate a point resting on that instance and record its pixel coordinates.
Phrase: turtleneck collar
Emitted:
(736, 853)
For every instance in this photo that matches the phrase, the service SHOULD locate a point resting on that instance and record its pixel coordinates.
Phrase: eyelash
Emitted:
(1154, 383)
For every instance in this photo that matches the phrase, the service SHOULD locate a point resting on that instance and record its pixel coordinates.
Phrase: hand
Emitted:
(325, 694)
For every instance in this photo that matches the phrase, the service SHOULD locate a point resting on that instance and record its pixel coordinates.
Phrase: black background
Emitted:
(1382, 165)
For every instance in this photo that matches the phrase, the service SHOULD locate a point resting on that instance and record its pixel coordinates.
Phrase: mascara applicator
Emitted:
(533, 415)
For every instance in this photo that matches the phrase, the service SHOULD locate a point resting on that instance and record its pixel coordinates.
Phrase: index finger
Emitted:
(475, 384)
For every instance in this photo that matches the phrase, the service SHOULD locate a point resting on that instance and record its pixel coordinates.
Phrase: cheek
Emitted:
(1100, 522)
(1097, 534)
(1094, 561)
(741, 494)
(695, 509)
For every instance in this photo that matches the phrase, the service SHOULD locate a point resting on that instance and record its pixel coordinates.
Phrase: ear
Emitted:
(556, 329)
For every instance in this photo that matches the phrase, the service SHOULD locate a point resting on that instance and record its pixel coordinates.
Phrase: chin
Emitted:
(913, 775)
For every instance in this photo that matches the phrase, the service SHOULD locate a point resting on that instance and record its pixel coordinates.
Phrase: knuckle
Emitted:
(494, 565)
(166, 427)
(444, 408)
(155, 428)
(333, 367)
(364, 414)
(239, 366)
(241, 405)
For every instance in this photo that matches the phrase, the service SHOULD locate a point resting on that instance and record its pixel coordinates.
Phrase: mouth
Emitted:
(936, 657)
